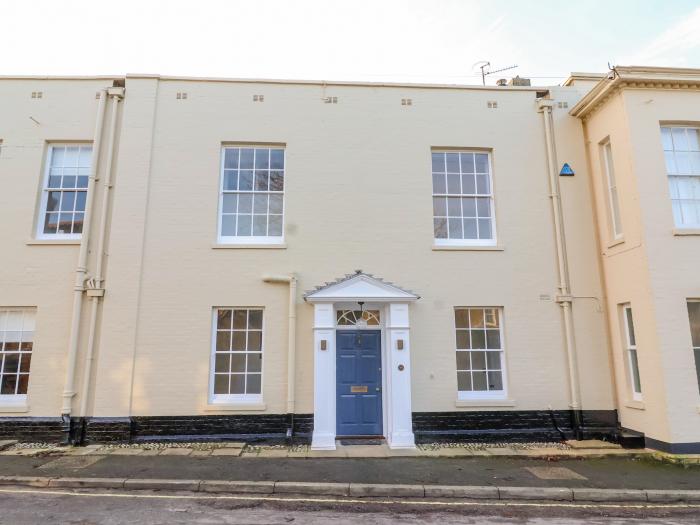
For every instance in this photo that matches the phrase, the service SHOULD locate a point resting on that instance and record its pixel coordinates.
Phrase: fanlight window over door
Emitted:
(360, 318)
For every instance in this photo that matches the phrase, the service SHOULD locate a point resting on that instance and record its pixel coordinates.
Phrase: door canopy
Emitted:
(360, 286)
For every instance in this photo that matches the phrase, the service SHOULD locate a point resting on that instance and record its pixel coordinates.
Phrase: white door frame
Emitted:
(396, 358)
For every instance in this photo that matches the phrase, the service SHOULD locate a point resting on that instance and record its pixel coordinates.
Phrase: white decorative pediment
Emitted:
(359, 286)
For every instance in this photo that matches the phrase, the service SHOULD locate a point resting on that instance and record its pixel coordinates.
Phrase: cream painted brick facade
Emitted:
(357, 195)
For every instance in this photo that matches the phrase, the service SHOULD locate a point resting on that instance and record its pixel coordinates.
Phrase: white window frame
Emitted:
(243, 240)
(471, 395)
(491, 196)
(613, 194)
(629, 349)
(694, 172)
(39, 232)
(235, 399)
(16, 399)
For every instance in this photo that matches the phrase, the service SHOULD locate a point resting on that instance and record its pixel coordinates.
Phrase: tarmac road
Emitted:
(32, 506)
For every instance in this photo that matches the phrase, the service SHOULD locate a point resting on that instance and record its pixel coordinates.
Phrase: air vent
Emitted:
(406, 101)
(258, 98)
(491, 104)
(181, 95)
(330, 100)
(37, 94)
(562, 105)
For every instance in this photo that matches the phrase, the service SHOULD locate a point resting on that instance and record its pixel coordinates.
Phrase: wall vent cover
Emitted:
(492, 104)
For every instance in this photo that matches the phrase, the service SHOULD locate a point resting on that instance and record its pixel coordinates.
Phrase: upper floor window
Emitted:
(251, 207)
(462, 198)
(237, 355)
(16, 344)
(682, 151)
(480, 363)
(631, 349)
(694, 316)
(613, 198)
(64, 191)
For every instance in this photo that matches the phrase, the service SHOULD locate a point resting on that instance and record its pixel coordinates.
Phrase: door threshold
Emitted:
(361, 440)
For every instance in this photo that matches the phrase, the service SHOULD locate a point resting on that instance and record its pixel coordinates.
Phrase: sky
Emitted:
(440, 41)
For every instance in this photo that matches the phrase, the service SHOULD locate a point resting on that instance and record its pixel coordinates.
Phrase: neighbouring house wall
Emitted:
(626, 267)
(672, 259)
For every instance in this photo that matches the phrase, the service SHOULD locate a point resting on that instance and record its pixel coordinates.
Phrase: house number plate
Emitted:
(358, 389)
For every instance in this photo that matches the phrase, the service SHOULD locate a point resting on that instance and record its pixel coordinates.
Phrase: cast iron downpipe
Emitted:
(564, 298)
(291, 280)
(81, 273)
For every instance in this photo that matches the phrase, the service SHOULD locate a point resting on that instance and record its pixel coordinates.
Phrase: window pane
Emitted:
(238, 363)
(224, 318)
(440, 228)
(254, 363)
(485, 229)
(467, 162)
(482, 162)
(493, 360)
(222, 363)
(452, 162)
(275, 226)
(240, 319)
(694, 316)
(260, 225)
(230, 180)
(479, 381)
(455, 228)
(464, 381)
(439, 183)
(223, 341)
(238, 341)
(277, 159)
(254, 383)
(245, 180)
(247, 156)
(462, 339)
(462, 318)
(262, 159)
(228, 225)
(476, 318)
(463, 361)
(276, 204)
(493, 339)
(495, 380)
(254, 341)
(478, 360)
(221, 383)
(230, 203)
(276, 181)
(635, 372)
(454, 183)
(255, 319)
(261, 180)
(438, 162)
(238, 384)
(244, 225)
(23, 384)
(630, 327)
(470, 231)
(231, 158)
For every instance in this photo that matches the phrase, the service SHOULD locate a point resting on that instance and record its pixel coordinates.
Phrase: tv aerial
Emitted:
(486, 70)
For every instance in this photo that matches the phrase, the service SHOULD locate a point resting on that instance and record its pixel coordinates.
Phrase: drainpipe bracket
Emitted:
(96, 292)
(543, 103)
(564, 299)
(116, 92)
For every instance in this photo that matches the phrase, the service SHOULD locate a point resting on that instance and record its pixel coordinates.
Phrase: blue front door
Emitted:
(358, 383)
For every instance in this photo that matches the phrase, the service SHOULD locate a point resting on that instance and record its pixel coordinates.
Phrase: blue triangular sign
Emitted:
(566, 170)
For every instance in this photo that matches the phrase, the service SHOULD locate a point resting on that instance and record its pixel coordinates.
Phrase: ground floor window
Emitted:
(631, 349)
(237, 354)
(16, 344)
(694, 315)
(479, 344)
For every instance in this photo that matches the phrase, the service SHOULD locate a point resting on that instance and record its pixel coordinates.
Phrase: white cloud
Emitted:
(672, 46)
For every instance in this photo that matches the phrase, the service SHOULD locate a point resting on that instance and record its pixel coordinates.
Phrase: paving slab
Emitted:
(256, 487)
(162, 484)
(30, 481)
(554, 473)
(671, 496)
(127, 451)
(585, 494)
(326, 489)
(226, 452)
(536, 493)
(104, 483)
(496, 451)
(381, 490)
(592, 444)
(71, 462)
(175, 452)
(452, 491)
(7, 443)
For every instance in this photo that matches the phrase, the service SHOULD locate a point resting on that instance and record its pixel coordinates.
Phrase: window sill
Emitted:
(32, 242)
(254, 246)
(465, 403)
(686, 231)
(635, 405)
(467, 247)
(235, 407)
(616, 242)
(14, 408)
